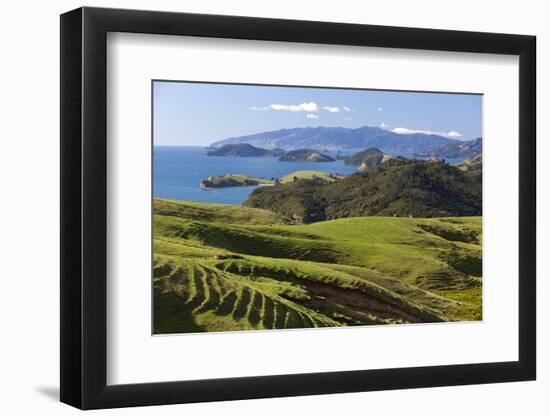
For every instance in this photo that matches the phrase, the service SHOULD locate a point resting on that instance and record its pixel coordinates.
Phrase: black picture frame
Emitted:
(84, 207)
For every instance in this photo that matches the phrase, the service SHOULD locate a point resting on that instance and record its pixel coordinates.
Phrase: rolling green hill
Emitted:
(308, 175)
(396, 188)
(474, 164)
(222, 267)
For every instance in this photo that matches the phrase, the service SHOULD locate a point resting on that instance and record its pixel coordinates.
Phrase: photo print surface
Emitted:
(279, 207)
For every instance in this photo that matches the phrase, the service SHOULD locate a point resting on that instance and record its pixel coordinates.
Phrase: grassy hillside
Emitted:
(221, 267)
(396, 188)
(472, 165)
(308, 175)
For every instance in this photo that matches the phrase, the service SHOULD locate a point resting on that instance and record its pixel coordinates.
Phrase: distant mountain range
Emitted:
(467, 149)
(340, 138)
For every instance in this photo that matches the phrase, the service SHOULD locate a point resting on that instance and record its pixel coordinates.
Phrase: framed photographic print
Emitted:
(257, 208)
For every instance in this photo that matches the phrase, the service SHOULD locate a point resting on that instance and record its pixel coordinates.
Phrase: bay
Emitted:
(178, 171)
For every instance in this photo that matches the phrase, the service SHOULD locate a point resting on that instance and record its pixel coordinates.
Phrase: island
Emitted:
(234, 180)
(366, 160)
(372, 158)
(241, 180)
(241, 150)
(305, 155)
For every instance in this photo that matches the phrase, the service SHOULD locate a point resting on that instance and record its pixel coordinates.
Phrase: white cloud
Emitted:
(383, 125)
(309, 107)
(407, 131)
(312, 116)
(347, 118)
(379, 109)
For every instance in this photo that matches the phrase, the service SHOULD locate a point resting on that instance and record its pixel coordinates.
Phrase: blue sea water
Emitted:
(178, 171)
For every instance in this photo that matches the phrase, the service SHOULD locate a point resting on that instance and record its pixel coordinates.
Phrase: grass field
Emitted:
(223, 268)
(324, 176)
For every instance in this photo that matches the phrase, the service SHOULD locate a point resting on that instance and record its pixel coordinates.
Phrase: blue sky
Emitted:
(197, 114)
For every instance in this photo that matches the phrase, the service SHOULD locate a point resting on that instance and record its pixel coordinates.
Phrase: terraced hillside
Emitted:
(224, 268)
